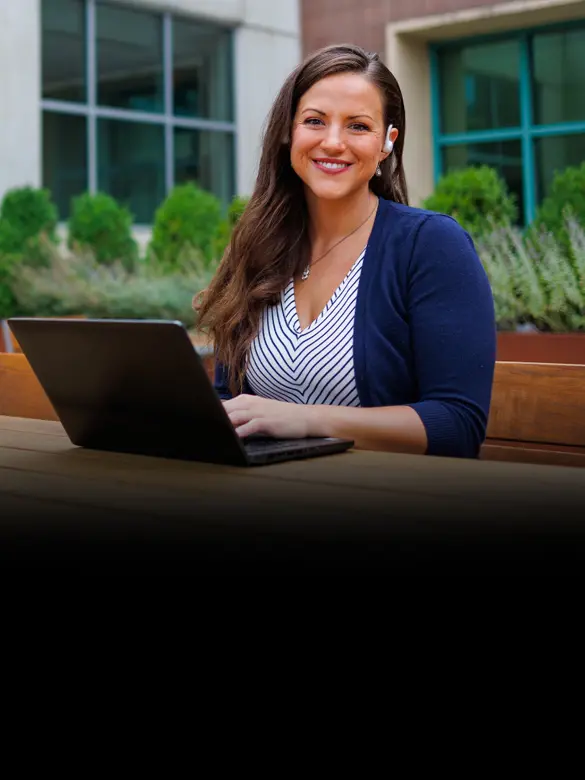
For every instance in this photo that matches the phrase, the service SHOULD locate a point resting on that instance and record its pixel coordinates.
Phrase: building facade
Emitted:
(501, 83)
(130, 97)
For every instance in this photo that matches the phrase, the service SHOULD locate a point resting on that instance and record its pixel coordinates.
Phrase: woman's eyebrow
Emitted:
(357, 116)
(314, 110)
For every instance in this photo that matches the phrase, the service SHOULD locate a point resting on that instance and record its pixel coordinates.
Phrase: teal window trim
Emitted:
(528, 179)
(527, 133)
(436, 115)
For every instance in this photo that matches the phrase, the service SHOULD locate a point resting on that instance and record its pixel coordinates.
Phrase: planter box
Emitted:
(541, 347)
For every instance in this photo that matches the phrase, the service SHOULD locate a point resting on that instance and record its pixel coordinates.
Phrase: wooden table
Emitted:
(63, 506)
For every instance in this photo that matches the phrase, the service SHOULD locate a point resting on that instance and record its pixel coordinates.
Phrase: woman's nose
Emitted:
(333, 138)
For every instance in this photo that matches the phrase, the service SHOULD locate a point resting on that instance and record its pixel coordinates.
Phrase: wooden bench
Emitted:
(537, 414)
(21, 394)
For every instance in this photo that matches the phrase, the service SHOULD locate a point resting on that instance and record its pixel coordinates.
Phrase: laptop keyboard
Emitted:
(253, 445)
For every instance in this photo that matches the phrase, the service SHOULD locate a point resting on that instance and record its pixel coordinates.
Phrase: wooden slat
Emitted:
(21, 394)
(521, 452)
(538, 402)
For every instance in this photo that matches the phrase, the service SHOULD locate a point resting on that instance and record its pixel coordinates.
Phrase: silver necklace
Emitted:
(307, 271)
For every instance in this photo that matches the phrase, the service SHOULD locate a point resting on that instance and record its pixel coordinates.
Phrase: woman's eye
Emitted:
(313, 121)
(359, 126)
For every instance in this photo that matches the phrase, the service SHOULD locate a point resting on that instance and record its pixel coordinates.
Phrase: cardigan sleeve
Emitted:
(220, 381)
(453, 333)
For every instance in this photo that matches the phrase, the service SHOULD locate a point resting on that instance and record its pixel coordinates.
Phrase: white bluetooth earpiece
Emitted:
(388, 144)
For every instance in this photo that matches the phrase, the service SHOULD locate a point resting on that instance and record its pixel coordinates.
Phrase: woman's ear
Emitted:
(389, 141)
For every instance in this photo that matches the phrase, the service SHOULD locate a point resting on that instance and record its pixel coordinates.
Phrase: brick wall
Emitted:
(363, 21)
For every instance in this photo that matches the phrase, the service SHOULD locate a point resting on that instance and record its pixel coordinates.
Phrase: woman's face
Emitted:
(337, 136)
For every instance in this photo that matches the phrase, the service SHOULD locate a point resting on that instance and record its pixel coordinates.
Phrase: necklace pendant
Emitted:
(305, 274)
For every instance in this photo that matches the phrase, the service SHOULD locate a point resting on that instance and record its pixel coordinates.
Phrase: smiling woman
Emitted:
(337, 309)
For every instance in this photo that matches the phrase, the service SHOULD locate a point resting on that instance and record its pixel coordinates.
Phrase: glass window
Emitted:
(131, 165)
(479, 87)
(132, 71)
(556, 153)
(202, 66)
(559, 76)
(64, 158)
(206, 158)
(63, 50)
(129, 59)
(504, 156)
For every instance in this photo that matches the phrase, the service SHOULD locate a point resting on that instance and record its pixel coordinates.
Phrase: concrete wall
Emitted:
(267, 48)
(20, 89)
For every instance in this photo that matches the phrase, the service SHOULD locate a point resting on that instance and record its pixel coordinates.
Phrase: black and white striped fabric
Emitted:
(310, 366)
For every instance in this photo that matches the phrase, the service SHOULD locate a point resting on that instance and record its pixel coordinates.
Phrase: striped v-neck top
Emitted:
(314, 365)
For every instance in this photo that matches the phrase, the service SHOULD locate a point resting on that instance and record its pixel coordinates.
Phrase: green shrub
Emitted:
(566, 200)
(534, 279)
(224, 231)
(188, 217)
(78, 284)
(36, 255)
(26, 213)
(236, 209)
(477, 197)
(100, 224)
(7, 299)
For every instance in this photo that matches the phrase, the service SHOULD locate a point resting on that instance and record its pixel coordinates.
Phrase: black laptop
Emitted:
(139, 386)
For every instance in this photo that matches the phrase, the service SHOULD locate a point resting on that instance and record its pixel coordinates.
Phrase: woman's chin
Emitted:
(329, 190)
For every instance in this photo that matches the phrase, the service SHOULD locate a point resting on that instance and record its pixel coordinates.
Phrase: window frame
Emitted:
(527, 132)
(92, 111)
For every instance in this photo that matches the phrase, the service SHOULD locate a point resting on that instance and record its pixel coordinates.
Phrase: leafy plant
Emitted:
(7, 299)
(26, 213)
(36, 255)
(79, 284)
(565, 201)
(224, 231)
(189, 217)
(100, 224)
(236, 209)
(477, 197)
(534, 280)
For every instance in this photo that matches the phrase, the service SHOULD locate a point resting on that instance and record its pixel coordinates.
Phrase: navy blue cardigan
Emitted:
(425, 333)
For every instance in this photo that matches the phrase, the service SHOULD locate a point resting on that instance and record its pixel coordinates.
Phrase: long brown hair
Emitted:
(270, 242)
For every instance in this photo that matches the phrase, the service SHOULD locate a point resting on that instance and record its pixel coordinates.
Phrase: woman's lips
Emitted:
(331, 167)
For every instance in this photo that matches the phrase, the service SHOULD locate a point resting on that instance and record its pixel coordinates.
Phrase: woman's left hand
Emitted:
(251, 414)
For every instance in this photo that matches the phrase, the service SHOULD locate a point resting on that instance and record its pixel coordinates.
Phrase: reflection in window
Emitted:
(64, 158)
(202, 71)
(129, 59)
(131, 165)
(205, 158)
(559, 76)
(479, 87)
(504, 156)
(555, 154)
(63, 50)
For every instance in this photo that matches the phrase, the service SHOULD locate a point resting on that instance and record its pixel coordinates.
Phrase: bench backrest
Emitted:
(21, 394)
(540, 403)
(532, 403)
